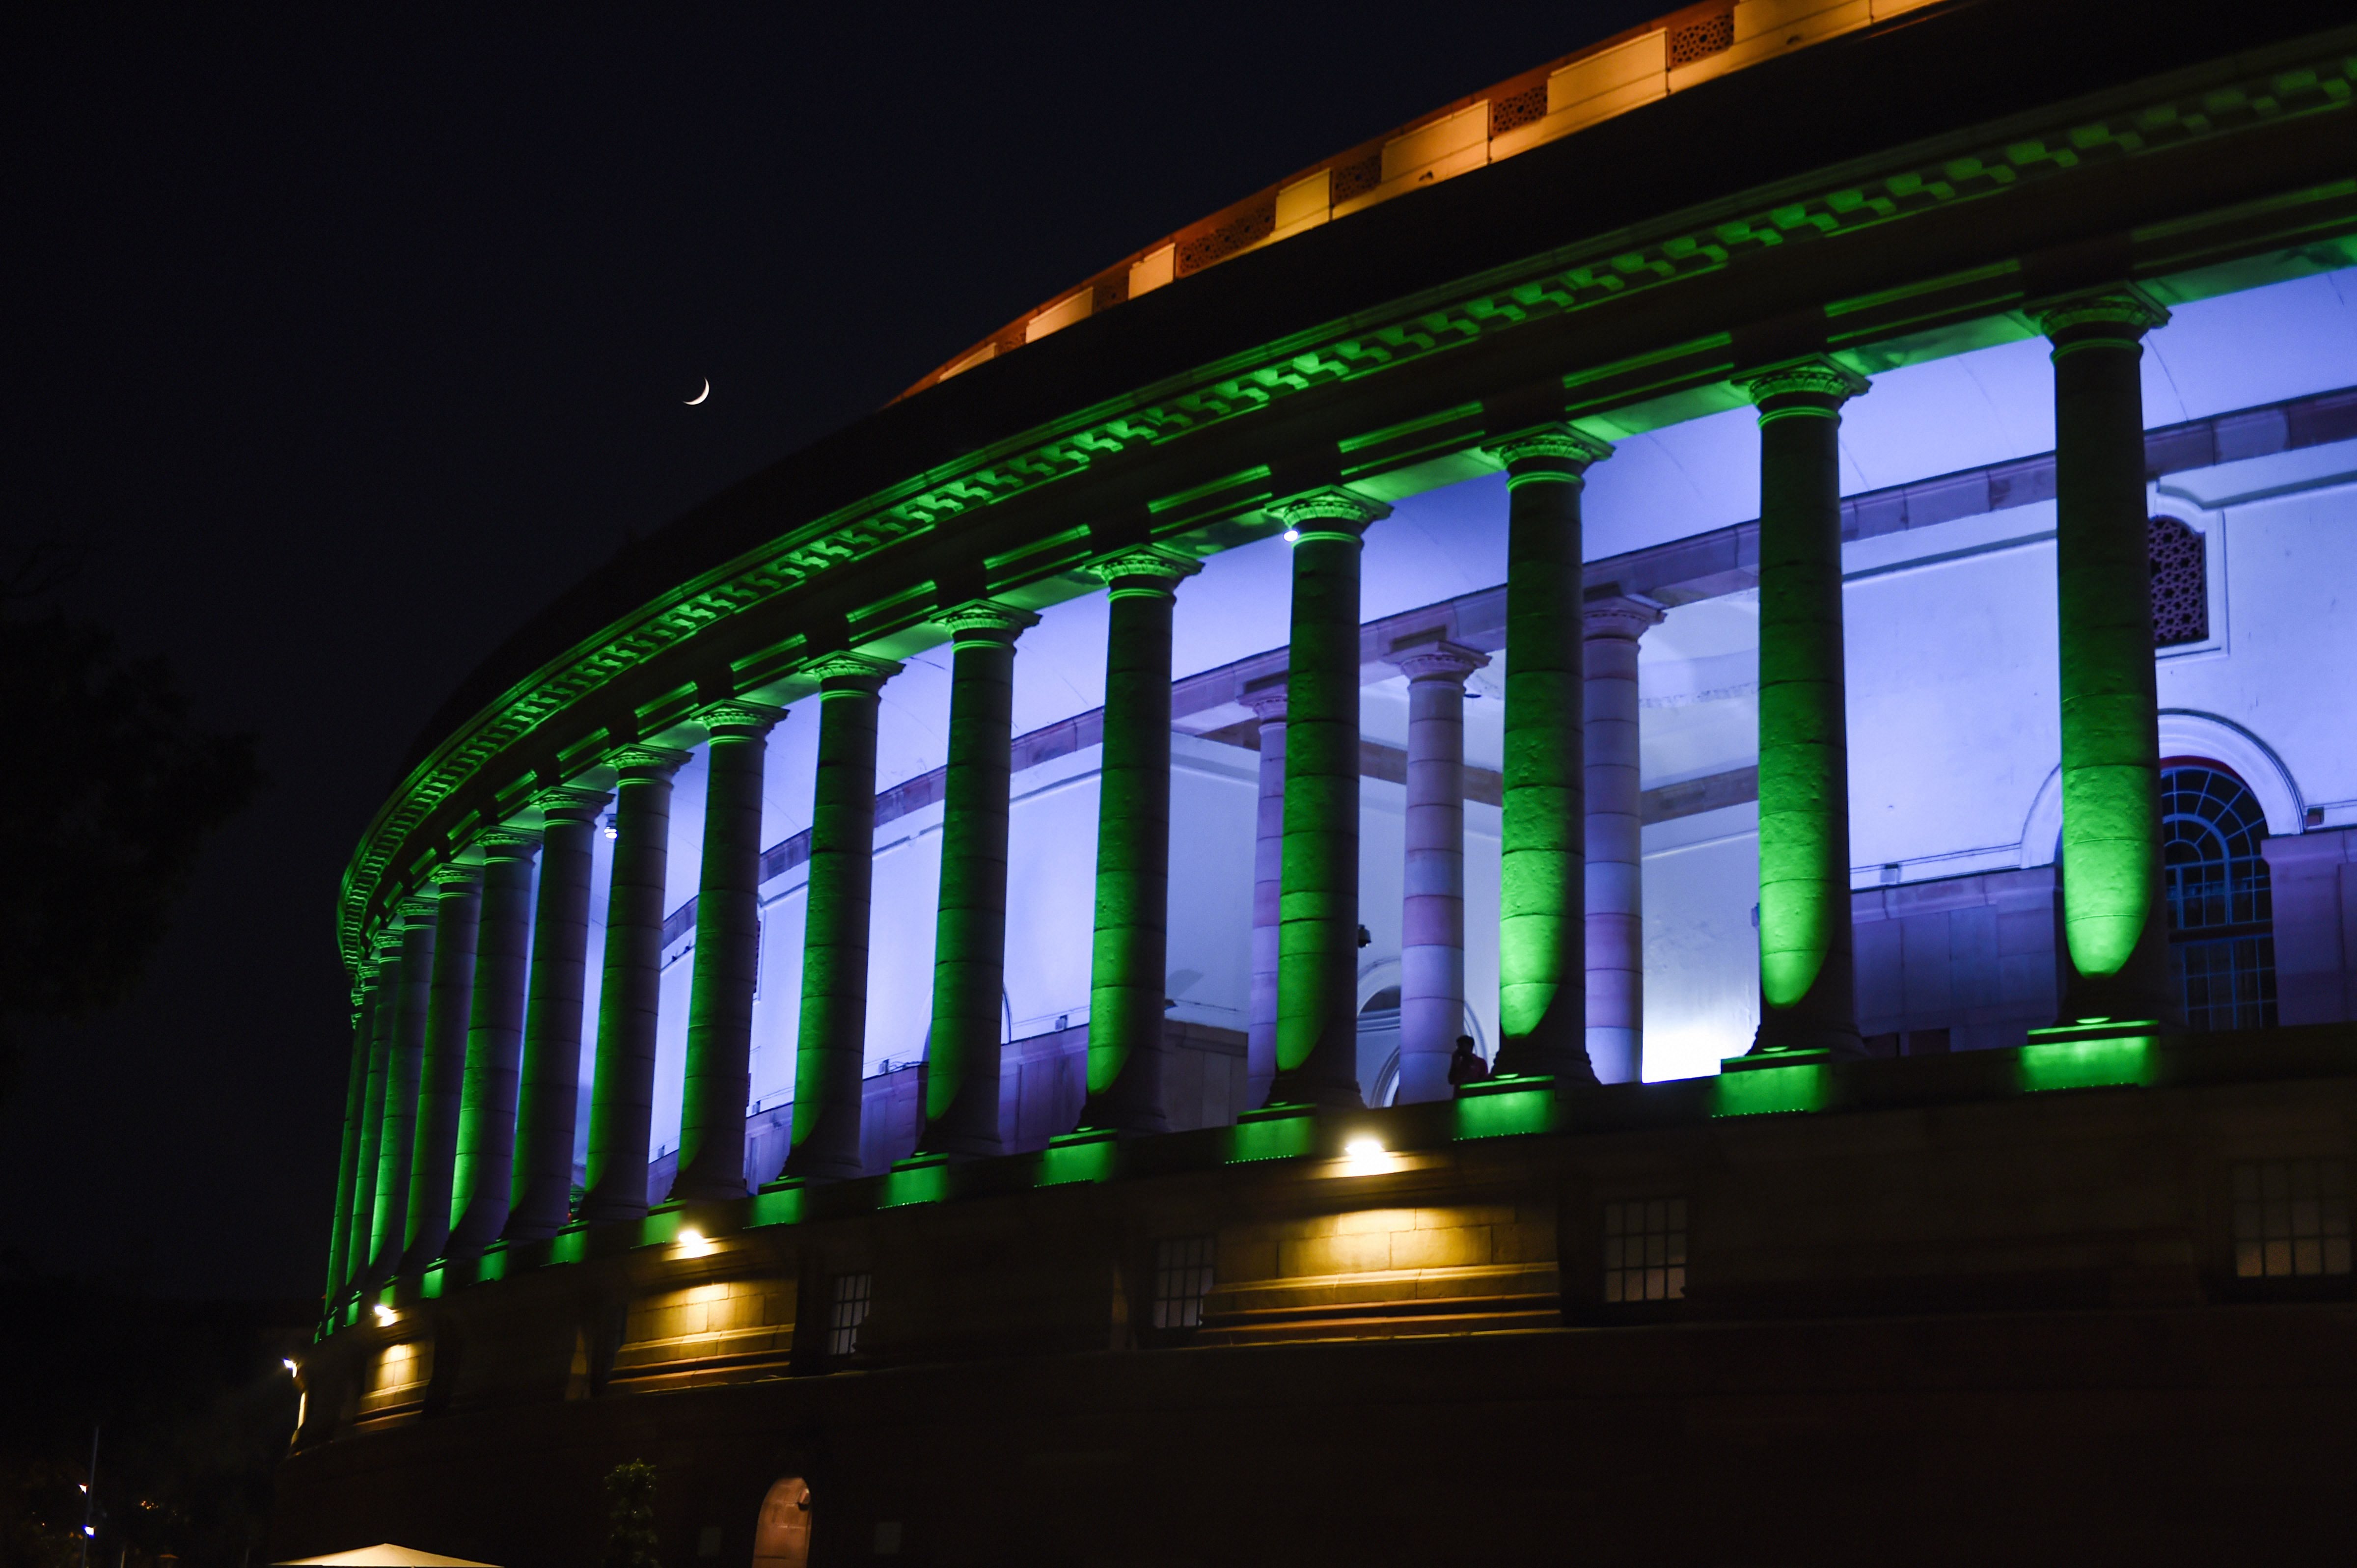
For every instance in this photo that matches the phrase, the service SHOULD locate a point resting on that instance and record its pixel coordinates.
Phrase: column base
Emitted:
(2087, 1029)
(1292, 1092)
(1510, 1083)
(1798, 1056)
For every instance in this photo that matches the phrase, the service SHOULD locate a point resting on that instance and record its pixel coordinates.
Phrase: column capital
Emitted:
(454, 876)
(1266, 698)
(1554, 451)
(417, 909)
(1627, 616)
(507, 843)
(647, 761)
(1332, 513)
(364, 975)
(570, 803)
(1812, 385)
(2117, 316)
(857, 674)
(987, 621)
(739, 720)
(1436, 658)
(1148, 569)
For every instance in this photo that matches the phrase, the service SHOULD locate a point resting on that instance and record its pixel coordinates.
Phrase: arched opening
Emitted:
(2221, 944)
(781, 1537)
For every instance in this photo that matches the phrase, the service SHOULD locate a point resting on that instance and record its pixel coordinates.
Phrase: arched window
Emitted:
(2180, 582)
(2221, 944)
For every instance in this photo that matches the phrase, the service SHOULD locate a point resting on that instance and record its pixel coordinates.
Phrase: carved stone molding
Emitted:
(2118, 316)
(738, 720)
(647, 761)
(1548, 452)
(1334, 513)
(1625, 616)
(455, 876)
(569, 802)
(986, 620)
(857, 673)
(1814, 385)
(507, 843)
(1437, 660)
(1148, 569)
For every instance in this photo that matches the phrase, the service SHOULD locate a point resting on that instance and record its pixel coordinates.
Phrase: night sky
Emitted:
(341, 348)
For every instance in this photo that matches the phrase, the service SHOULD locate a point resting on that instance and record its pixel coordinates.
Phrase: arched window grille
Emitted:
(2180, 582)
(2221, 944)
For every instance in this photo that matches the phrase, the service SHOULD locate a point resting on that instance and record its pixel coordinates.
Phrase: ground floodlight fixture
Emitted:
(1293, 536)
(385, 1315)
(1366, 1146)
(288, 1362)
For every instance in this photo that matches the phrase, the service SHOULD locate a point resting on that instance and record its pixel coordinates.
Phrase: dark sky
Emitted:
(342, 347)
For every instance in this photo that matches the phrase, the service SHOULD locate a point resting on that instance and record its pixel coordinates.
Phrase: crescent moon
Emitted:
(702, 395)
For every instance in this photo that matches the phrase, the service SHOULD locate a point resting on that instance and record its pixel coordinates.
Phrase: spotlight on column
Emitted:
(289, 1365)
(692, 1243)
(607, 823)
(1363, 1148)
(385, 1316)
(1293, 536)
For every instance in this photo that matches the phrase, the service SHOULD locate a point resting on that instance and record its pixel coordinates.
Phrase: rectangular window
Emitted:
(1645, 1250)
(2292, 1218)
(1183, 1278)
(846, 1311)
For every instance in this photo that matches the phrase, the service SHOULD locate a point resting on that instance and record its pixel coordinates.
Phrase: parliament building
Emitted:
(1625, 827)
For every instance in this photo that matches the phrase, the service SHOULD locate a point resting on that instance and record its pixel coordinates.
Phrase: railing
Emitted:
(1545, 103)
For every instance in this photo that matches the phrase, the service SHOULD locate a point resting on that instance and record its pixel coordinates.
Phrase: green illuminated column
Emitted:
(412, 996)
(542, 1193)
(1542, 895)
(1808, 994)
(1266, 698)
(441, 1075)
(621, 1102)
(1127, 976)
(2111, 906)
(384, 954)
(970, 939)
(831, 1045)
(486, 1114)
(340, 1239)
(719, 1078)
(1318, 922)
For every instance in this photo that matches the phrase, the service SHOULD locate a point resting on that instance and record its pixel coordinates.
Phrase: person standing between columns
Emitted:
(1128, 973)
(622, 1095)
(831, 1043)
(1616, 875)
(487, 1112)
(396, 1142)
(719, 1076)
(1317, 931)
(540, 1195)
(2113, 910)
(1431, 913)
(385, 953)
(1266, 698)
(1542, 887)
(340, 1239)
(961, 1068)
(1808, 992)
(458, 897)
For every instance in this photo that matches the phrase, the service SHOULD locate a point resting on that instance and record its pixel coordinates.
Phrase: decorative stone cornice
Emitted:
(739, 720)
(1624, 615)
(647, 761)
(1548, 452)
(986, 620)
(2118, 316)
(850, 674)
(1330, 513)
(1814, 385)
(507, 843)
(1437, 660)
(570, 802)
(454, 876)
(1946, 175)
(418, 909)
(1152, 569)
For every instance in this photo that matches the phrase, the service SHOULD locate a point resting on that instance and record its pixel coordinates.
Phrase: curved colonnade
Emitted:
(959, 514)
